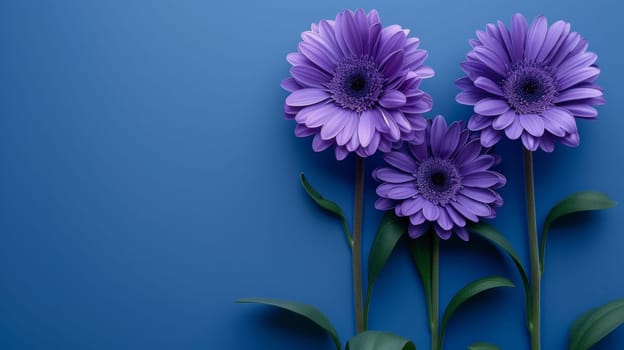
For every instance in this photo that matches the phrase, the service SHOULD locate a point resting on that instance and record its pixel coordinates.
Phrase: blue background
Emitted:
(148, 179)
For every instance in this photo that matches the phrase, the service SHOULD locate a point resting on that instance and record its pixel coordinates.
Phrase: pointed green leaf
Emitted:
(594, 325)
(490, 234)
(308, 311)
(388, 234)
(469, 291)
(483, 346)
(374, 340)
(578, 202)
(420, 250)
(327, 205)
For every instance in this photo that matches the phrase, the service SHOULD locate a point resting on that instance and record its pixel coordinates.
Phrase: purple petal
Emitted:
(401, 161)
(309, 76)
(303, 131)
(306, 97)
(457, 218)
(561, 117)
(393, 63)
(491, 107)
(489, 137)
(579, 76)
(546, 144)
(483, 179)
(438, 130)
(340, 152)
(392, 99)
(451, 139)
(444, 220)
(554, 35)
(410, 207)
(519, 29)
(465, 212)
(469, 152)
(489, 86)
(532, 123)
(582, 110)
(366, 127)
(417, 218)
(317, 55)
(431, 211)
(290, 85)
(490, 59)
(317, 115)
(318, 144)
(443, 234)
(475, 207)
(529, 142)
(391, 175)
(417, 231)
(392, 39)
(335, 124)
(347, 28)
(535, 37)
(462, 233)
(481, 163)
(478, 122)
(383, 203)
(345, 135)
(483, 195)
(514, 130)
(470, 98)
(504, 120)
(572, 140)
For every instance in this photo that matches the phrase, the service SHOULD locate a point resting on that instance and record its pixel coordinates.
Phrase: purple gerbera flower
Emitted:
(442, 183)
(530, 82)
(355, 85)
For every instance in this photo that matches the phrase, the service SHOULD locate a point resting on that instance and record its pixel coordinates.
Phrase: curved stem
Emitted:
(356, 248)
(434, 322)
(533, 310)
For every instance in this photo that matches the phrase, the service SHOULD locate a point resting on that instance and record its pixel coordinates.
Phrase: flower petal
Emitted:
(309, 76)
(535, 38)
(483, 179)
(577, 94)
(514, 130)
(417, 231)
(491, 106)
(392, 99)
(532, 123)
(401, 161)
(504, 120)
(306, 97)
(366, 127)
(391, 175)
(489, 86)
(430, 211)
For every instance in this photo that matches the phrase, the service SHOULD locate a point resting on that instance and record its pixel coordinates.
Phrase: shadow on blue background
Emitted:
(148, 179)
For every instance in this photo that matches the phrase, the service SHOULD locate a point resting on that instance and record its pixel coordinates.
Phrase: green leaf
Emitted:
(420, 250)
(470, 290)
(374, 340)
(490, 234)
(578, 202)
(594, 325)
(482, 346)
(390, 230)
(327, 205)
(308, 311)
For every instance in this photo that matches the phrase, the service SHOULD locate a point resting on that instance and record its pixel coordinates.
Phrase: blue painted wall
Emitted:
(147, 179)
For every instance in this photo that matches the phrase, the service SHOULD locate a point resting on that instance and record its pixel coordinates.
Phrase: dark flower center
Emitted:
(530, 88)
(357, 84)
(438, 180)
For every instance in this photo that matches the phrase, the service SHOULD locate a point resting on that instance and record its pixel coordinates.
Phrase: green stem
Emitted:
(533, 310)
(434, 322)
(356, 249)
